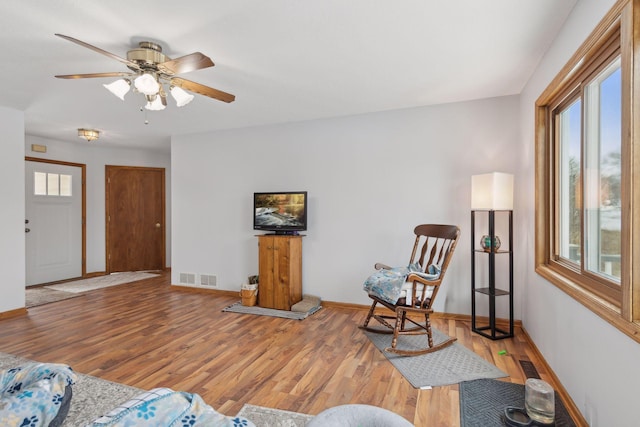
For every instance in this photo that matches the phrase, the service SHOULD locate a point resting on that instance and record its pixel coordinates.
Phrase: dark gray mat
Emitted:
(482, 403)
(449, 365)
(243, 309)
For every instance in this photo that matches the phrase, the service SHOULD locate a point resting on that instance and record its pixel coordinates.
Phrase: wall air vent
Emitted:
(188, 278)
(208, 280)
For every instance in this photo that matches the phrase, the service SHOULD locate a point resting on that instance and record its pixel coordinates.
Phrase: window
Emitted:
(585, 170)
(586, 176)
(51, 184)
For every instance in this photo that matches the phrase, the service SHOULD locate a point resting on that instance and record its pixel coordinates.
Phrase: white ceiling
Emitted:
(285, 60)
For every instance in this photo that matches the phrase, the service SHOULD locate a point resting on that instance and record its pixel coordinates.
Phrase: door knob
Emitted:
(158, 225)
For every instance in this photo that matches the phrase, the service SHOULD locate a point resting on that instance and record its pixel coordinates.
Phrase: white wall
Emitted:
(96, 157)
(595, 362)
(371, 178)
(12, 244)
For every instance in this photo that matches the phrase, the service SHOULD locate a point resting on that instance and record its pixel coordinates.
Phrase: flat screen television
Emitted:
(282, 212)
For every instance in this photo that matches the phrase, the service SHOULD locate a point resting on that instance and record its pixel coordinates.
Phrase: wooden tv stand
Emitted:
(280, 271)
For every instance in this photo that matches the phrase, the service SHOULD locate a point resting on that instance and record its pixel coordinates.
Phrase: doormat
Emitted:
(94, 283)
(482, 403)
(449, 365)
(261, 311)
(269, 417)
(40, 296)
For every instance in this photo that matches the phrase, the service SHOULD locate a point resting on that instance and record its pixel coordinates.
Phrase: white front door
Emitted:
(53, 226)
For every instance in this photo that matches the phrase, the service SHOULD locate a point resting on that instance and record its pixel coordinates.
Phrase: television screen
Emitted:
(283, 212)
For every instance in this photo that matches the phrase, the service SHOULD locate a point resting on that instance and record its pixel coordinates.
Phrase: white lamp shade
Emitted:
(155, 105)
(119, 88)
(147, 84)
(492, 191)
(182, 97)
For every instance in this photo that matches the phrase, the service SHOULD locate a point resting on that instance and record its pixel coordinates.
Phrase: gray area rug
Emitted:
(450, 365)
(84, 285)
(239, 308)
(40, 296)
(268, 417)
(482, 403)
(92, 397)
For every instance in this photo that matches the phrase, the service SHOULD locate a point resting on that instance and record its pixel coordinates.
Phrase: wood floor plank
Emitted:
(149, 334)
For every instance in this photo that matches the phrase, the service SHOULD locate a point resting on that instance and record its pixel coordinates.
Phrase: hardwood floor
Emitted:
(148, 334)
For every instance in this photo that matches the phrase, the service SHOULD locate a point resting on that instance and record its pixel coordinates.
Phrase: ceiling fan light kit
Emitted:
(119, 88)
(182, 97)
(147, 84)
(155, 104)
(150, 70)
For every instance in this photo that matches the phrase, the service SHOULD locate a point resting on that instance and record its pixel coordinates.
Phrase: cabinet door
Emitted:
(281, 267)
(265, 271)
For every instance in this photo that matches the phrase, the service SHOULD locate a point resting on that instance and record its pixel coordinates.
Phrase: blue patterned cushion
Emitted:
(390, 285)
(165, 407)
(32, 394)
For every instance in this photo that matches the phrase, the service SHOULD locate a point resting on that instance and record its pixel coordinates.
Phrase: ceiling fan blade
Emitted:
(94, 75)
(184, 64)
(104, 52)
(202, 89)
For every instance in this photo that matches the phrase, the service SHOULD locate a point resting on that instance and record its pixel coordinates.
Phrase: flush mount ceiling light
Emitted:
(89, 134)
(151, 70)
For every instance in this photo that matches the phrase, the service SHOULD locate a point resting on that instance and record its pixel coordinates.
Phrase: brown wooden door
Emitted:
(135, 202)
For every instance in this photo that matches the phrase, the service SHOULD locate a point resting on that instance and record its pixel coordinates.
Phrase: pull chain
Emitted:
(146, 119)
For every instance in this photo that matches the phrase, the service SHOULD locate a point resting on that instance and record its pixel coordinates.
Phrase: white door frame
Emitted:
(83, 168)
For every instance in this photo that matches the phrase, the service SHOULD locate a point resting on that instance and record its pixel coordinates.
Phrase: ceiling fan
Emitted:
(150, 70)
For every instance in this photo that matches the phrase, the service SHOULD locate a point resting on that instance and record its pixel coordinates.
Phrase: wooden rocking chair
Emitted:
(419, 290)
